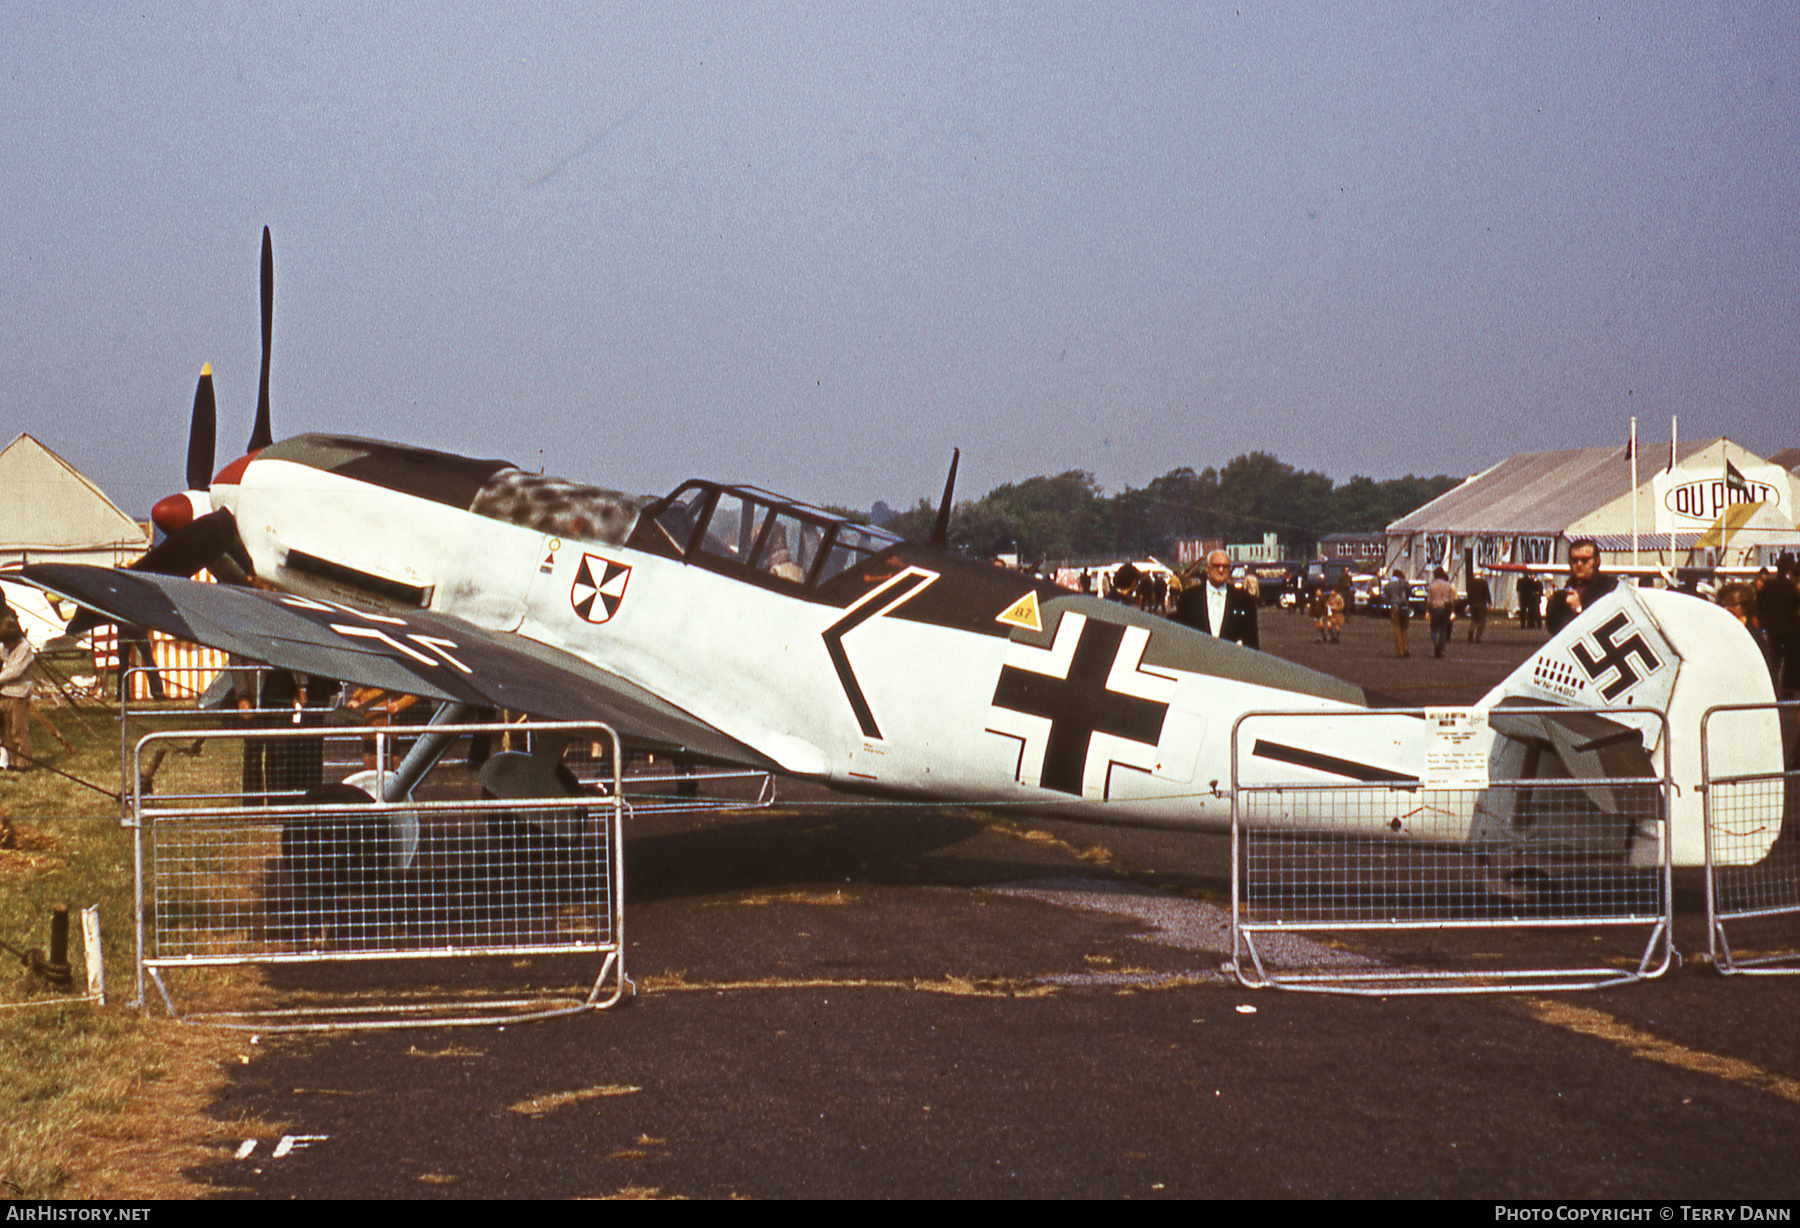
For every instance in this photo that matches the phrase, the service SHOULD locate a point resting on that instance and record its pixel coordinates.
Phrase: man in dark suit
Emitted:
(1216, 608)
(1531, 596)
(1778, 612)
(1586, 586)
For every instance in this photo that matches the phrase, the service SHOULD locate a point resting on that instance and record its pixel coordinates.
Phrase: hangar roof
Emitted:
(1540, 492)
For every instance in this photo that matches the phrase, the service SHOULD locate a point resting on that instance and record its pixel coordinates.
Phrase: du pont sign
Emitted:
(1689, 500)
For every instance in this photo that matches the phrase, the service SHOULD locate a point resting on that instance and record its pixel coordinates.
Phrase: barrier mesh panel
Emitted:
(1557, 877)
(342, 882)
(1743, 815)
(1564, 862)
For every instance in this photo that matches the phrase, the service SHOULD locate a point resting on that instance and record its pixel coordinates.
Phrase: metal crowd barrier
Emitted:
(1752, 842)
(240, 861)
(251, 850)
(1534, 881)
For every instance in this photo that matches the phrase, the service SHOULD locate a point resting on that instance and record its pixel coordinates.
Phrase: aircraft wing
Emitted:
(434, 656)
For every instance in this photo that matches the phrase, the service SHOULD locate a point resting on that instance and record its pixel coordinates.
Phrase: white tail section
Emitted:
(1648, 648)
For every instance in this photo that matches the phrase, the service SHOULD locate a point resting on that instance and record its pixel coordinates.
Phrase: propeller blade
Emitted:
(940, 532)
(201, 433)
(260, 437)
(187, 550)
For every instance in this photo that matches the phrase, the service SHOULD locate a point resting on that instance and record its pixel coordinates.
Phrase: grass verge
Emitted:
(95, 1102)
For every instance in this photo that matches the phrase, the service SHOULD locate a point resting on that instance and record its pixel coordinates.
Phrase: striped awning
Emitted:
(1615, 542)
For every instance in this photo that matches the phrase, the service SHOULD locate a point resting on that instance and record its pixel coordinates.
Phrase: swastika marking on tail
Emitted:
(1616, 654)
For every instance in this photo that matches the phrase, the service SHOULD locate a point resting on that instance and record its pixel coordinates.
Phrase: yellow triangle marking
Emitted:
(1022, 613)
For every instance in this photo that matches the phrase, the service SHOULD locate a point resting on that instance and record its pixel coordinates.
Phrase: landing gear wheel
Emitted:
(335, 852)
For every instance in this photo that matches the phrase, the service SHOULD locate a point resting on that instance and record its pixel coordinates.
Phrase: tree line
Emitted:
(1067, 516)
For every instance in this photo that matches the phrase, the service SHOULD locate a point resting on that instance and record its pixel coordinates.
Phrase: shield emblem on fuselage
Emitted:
(599, 588)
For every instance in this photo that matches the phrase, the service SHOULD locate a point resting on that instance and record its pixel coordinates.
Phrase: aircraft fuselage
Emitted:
(751, 628)
(902, 670)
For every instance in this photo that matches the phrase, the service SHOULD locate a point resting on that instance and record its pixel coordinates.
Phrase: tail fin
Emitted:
(1643, 648)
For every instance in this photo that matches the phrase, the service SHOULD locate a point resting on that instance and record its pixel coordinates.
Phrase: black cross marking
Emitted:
(1080, 706)
(1617, 655)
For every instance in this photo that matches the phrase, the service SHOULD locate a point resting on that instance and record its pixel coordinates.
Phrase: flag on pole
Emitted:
(1631, 455)
(1734, 481)
(1669, 576)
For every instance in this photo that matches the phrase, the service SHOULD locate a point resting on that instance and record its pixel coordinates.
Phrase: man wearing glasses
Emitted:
(1586, 586)
(1216, 608)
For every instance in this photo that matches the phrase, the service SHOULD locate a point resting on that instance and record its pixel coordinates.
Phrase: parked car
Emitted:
(1378, 604)
(1274, 580)
(1322, 573)
(1460, 605)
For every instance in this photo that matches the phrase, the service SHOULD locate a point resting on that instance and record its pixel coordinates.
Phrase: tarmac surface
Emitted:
(844, 999)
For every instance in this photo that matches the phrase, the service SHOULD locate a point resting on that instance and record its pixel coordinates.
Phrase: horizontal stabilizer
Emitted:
(1589, 747)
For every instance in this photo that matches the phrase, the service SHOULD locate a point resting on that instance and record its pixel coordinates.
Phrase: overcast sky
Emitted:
(813, 248)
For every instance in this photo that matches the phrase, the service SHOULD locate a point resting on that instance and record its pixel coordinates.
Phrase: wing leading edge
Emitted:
(434, 656)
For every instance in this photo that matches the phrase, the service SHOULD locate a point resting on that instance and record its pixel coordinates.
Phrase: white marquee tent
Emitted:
(51, 513)
(1529, 507)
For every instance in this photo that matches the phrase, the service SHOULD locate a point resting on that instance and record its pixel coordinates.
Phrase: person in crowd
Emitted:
(1739, 600)
(1398, 595)
(1531, 601)
(1336, 602)
(1586, 586)
(1213, 606)
(16, 658)
(1318, 611)
(1440, 608)
(1125, 583)
(1776, 609)
(1480, 598)
(137, 651)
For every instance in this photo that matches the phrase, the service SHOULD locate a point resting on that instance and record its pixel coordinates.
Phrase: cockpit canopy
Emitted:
(754, 532)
